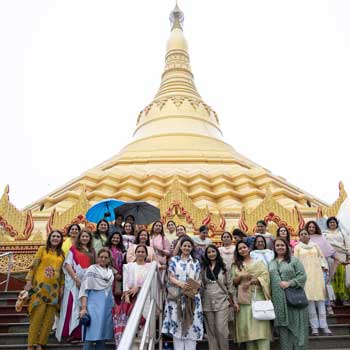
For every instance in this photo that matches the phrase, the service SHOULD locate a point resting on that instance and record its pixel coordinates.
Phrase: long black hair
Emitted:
(120, 245)
(318, 230)
(152, 229)
(287, 256)
(71, 226)
(137, 239)
(288, 233)
(218, 261)
(238, 258)
(58, 249)
(254, 243)
(97, 234)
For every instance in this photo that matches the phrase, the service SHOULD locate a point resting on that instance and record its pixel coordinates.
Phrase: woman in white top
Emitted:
(227, 249)
(259, 251)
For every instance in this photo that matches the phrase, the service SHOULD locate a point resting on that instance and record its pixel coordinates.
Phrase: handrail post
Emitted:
(9, 268)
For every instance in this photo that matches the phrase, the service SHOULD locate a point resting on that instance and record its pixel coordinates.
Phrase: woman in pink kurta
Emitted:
(141, 238)
(161, 246)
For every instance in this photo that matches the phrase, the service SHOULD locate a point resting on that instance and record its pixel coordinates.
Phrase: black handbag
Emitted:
(296, 296)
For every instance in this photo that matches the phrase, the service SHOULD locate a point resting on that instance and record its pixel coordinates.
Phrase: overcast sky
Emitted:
(75, 74)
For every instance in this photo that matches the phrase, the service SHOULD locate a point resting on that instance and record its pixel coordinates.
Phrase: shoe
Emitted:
(326, 331)
(330, 311)
(314, 332)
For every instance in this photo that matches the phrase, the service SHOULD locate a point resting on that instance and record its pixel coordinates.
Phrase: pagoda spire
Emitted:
(177, 78)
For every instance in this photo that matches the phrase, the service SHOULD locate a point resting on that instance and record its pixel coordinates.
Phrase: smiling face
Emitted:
(203, 234)
(259, 243)
(158, 227)
(55, 239)
(143, 237)
(243, 250)
(311, 228)
(226, 239)
(171, 227)
(332, 225)
(212, 254)
(84, 239)
(180, 231)
(283, 233)
(304, 236)
(115, 240)
(103, 227)
(140, 253)
(103, 259)
(280, 248)
(186, 248)
(73, 232)
(128, 228)
(260, 228)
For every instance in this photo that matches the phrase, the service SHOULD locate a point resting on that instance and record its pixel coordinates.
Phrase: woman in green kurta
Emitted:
(250, 275)
(291, 323)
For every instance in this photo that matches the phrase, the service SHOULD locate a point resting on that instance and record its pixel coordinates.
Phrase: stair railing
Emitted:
(9, 267)
(152, 294)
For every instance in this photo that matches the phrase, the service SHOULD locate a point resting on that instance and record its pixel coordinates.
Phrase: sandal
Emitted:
(314, 332)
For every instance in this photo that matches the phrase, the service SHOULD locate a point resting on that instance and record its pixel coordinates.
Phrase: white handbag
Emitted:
(263, 310)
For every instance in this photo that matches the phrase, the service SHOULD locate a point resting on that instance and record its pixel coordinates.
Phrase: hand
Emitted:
(133, 291)
(28, 286)
(236, 307)
(77, 282)
(254, 281)
(118, 277)
(284, 284)
(182, 285)
(82, 312)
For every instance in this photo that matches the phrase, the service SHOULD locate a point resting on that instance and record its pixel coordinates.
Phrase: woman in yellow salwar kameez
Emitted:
(249, 276)
(45, 285)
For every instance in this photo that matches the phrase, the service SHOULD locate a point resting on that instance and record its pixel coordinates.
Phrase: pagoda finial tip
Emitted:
(176, 17)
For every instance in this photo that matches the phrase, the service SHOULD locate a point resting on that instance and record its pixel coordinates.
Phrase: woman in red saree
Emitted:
(80, 256)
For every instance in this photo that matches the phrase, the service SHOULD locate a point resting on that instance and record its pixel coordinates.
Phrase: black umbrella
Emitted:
(143, 212)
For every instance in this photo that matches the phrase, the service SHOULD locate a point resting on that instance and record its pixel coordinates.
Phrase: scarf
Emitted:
(185, 312)
(96, 278)
(324, 245)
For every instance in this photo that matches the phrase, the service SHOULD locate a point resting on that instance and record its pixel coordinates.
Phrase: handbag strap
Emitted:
(218, 282)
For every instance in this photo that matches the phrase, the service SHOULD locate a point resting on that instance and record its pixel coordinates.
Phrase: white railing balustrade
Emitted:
(152, 293)
(9, 267)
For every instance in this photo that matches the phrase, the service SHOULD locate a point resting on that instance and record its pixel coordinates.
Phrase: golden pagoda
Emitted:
(178, 161)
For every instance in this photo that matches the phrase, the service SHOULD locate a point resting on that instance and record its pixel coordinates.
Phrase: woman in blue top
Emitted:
(96, 299)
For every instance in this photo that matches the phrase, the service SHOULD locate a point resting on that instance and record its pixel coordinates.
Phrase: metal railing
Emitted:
(9, 267)
(151, 292)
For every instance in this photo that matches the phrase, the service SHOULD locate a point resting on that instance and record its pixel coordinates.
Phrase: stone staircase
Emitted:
(14, 330)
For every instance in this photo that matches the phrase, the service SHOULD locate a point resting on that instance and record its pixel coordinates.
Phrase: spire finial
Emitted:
(176, 17)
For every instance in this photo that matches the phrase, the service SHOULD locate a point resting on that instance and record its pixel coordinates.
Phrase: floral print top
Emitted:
(47, 277)
(182, 271)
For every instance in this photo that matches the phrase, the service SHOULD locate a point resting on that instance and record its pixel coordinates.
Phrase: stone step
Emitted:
(10, 309)
(8, 301)
(9, 294)
(13, 317)
(321, 342)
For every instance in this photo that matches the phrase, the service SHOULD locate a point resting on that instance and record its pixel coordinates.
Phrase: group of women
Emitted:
(94, 279)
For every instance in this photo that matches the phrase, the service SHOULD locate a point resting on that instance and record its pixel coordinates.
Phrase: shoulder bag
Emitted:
(263, 310)
(295, 296)
(225, 290)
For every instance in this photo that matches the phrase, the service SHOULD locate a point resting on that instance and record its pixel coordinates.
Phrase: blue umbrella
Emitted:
(103, 210)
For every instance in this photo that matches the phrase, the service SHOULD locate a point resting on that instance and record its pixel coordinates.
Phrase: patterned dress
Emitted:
(182, 271)
(291, 323)
(47, 278)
